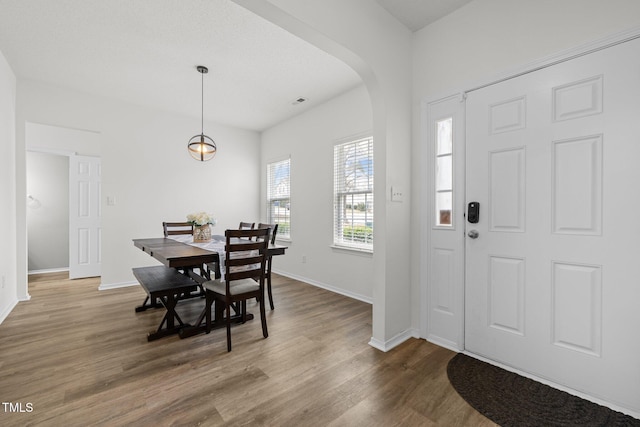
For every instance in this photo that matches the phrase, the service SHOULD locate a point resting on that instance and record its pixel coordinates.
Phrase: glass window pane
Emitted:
(444, 173)
(278, 196)
(444, 208)
(444, 136)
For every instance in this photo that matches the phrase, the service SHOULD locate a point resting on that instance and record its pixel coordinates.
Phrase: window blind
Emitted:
(279, 196)
(353, 194)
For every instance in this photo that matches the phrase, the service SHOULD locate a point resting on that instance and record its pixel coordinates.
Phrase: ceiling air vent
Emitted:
(298, 101)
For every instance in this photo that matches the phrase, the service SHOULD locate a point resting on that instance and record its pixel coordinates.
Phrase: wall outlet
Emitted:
(3, 282)
(304, 259)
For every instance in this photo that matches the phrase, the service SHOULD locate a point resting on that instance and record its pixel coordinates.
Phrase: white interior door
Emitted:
(84, 217)
(551, 279)
(445, 266)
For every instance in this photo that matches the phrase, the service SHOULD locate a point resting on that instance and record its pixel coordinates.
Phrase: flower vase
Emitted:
(201, 233)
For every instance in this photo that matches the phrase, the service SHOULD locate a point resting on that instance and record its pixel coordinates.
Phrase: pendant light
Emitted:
(201, 147)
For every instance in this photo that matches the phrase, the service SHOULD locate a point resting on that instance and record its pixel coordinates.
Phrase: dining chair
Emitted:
(245, 263)
(272, 240)
(246, 225)
(174, 228)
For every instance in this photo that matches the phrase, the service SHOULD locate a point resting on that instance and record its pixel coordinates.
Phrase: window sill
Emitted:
(283, 239)
(352, 249)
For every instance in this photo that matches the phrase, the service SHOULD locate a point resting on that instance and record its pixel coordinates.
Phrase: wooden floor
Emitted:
(80, 357)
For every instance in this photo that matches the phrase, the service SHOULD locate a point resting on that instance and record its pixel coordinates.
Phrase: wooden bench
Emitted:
(166, 285)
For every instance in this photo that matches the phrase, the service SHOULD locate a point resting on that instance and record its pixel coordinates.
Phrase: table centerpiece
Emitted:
(202, 223)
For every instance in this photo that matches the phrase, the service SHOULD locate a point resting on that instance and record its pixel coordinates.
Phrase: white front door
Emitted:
(551, 279)
(84, 217)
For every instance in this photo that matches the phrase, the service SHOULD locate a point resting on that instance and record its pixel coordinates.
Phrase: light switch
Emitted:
(111, 200)
(396, 193)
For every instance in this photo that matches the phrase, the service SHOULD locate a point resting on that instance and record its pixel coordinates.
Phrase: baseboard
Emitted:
(48, 270)
(5, 313)
(107, 286)
(566, 389)
(395, 341)
(331, 288)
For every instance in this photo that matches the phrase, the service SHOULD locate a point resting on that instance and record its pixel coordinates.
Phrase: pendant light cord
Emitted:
(202, 105)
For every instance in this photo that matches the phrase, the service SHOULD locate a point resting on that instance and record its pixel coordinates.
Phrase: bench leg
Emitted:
(170, 317)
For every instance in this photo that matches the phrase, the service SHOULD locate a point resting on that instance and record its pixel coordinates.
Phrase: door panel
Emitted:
(84, 217)
(551, 284)
(445, 266)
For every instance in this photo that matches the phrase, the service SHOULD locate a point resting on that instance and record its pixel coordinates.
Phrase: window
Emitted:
(444, 172)
(279, 196)
(353, 194)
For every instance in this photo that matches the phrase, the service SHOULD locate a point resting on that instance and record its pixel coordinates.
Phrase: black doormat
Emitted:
(510, 399)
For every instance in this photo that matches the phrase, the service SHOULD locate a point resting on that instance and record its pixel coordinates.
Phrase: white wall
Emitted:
(378, 48)
(48, 211)
(8, 283)
(308, 139)
(488, 39)
(146, 167)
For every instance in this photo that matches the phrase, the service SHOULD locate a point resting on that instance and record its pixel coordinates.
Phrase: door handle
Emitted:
(473, 234)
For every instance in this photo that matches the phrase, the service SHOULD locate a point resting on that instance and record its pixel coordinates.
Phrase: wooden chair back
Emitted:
(274, 231)
(272, 240)
(246, 254)
(174, 228)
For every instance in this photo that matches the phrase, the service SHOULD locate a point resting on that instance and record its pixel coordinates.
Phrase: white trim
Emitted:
(48, 270)
(363, 298)
(556, 385)
(57, 151)
(395, 341)
(354, 249)
(106, 287)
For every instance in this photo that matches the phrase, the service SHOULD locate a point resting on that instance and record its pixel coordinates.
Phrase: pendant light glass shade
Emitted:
(201, 147)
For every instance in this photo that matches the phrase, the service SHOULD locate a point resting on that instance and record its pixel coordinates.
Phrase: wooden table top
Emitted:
(176, 254)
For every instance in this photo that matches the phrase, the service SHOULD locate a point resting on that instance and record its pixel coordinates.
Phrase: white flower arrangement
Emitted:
(201, 218)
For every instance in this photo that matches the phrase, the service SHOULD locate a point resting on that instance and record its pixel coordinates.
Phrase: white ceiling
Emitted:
(417, 14)
(146, 52)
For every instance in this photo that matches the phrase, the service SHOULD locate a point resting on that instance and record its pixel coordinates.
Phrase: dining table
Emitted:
(200, 262)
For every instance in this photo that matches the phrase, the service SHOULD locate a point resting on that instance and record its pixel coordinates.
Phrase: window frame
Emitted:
(284, 228)
(341, 194)
(438, 156)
